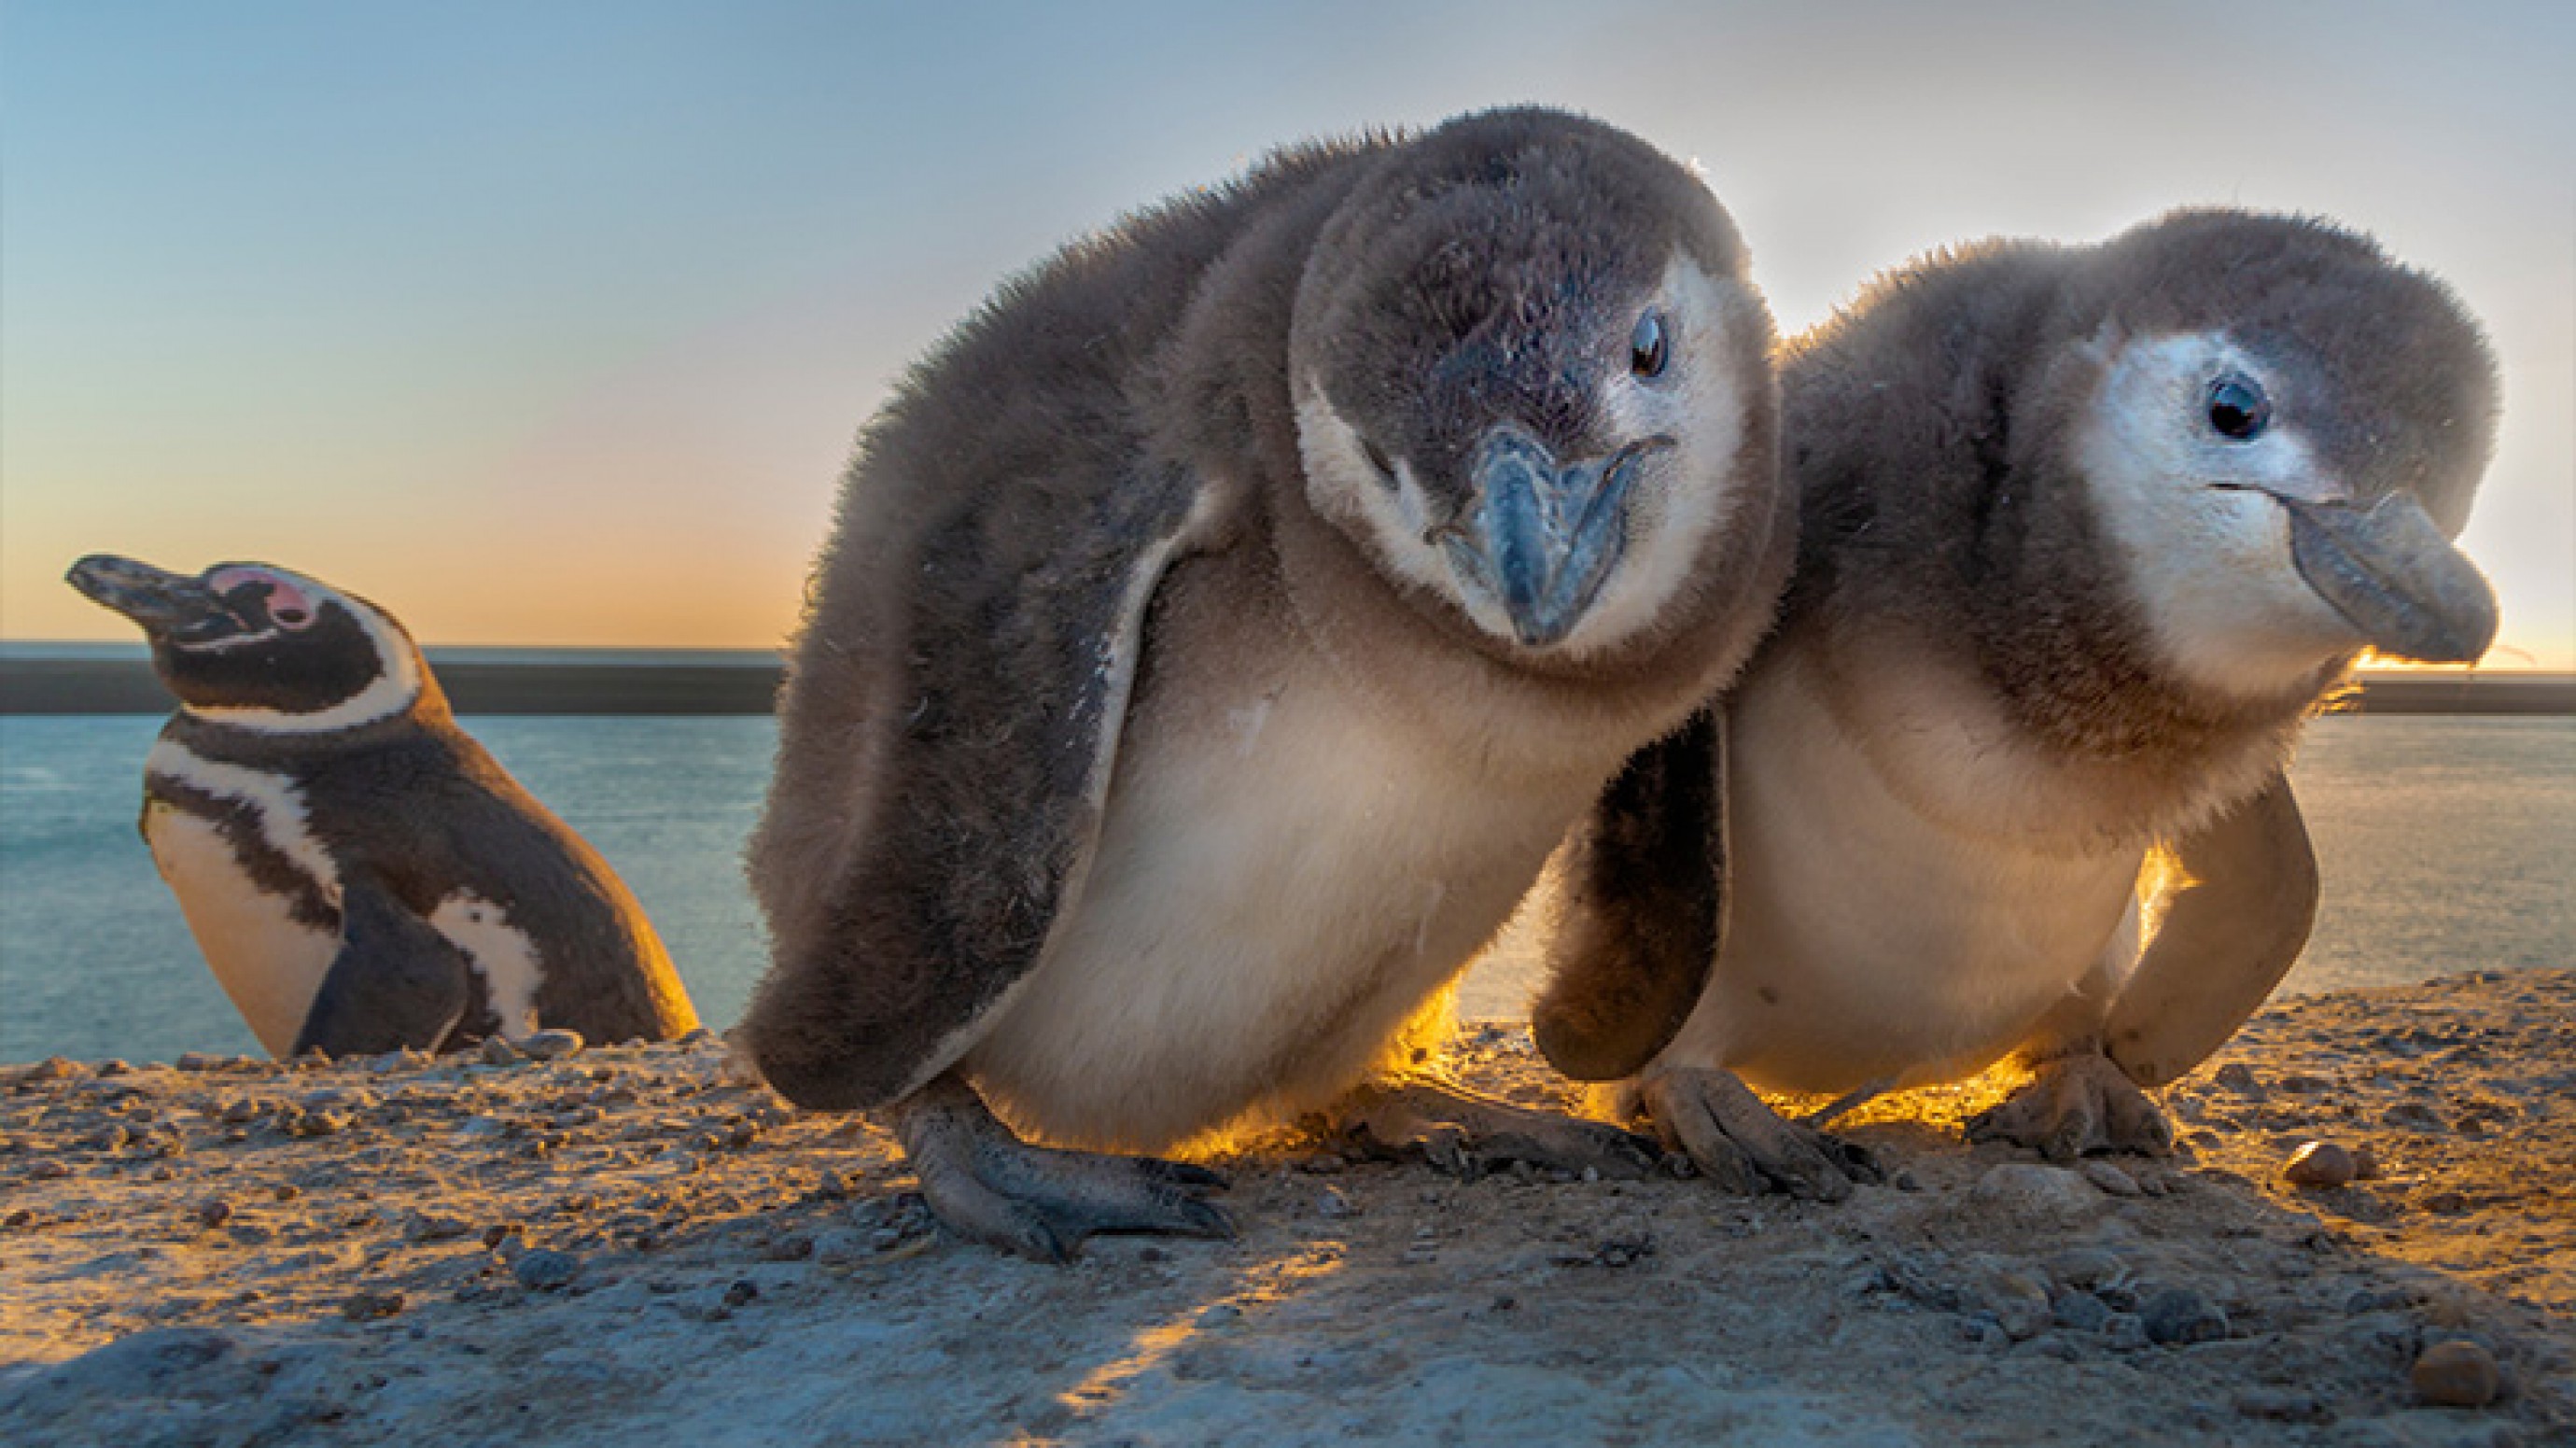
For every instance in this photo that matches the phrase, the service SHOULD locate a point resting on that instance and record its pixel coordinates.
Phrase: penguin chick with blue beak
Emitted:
(2087, 534)
(1220, 630)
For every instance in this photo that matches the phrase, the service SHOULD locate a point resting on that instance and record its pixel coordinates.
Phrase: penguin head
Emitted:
(2283, 434)
(258, 647)
(1532, 382)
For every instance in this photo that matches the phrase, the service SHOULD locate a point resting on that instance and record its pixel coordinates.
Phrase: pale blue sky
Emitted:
(551, 323)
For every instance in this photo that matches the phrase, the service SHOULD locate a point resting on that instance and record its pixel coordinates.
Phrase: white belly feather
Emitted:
(267, 961)
(1869, 939)
(271, 964)
(1270, 902)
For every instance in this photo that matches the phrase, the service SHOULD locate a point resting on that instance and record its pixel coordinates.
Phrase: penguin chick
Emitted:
(1218, 632)
(2087, 533)
(361, 875)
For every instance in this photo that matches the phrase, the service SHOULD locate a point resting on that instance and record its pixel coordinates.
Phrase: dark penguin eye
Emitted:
(2238, 410)
(1648, 349)
(1377, 459)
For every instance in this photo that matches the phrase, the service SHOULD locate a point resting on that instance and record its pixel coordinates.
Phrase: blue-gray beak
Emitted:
(2393, 576)
(1544, 535)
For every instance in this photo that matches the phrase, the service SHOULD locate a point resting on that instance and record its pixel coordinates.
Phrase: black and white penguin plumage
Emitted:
(2086, 534)
(1222, 626)
(361, 875)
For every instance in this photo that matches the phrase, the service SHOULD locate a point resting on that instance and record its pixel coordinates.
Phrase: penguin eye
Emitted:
(2238, 410)
(1648, 348)
(1377, 459)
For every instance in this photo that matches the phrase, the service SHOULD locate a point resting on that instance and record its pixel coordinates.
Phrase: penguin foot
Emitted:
(1469, 1135)
(988, 1185)
(2075, 1104)
(1746, 1147)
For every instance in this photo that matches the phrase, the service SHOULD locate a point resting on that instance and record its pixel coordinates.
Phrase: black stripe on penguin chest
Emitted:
(244, 829)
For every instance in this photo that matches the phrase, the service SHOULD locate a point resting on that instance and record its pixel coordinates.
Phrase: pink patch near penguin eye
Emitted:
(287, 604)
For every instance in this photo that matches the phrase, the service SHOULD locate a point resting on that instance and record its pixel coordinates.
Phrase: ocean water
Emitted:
(2447, 844)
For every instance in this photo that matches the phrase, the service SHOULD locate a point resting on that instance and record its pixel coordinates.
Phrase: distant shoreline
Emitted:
(103, 679)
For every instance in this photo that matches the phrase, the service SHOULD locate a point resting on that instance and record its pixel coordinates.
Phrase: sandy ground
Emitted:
(638, 1246)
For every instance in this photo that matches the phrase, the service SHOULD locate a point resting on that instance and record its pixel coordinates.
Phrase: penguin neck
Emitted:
(1501, 716)
(2047, 745)
(246, 734)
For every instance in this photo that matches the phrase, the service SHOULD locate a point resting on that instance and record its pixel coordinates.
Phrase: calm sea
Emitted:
(2448, 844)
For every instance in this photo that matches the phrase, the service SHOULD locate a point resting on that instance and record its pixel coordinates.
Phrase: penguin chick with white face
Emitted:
(1220, 629)
(2086, 534)
(361, 875)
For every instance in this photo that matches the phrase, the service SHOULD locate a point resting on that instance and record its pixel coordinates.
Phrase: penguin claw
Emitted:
(2075, 1105)
(988, 1186)
(1745, 1147)
(1468, 1135)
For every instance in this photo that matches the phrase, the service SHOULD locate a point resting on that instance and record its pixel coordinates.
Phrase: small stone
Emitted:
(286, 1191)
(740, 1293)
(2125, 1332)
(371, 1306)
(1336, 1203)
(497, 1051)
(199, 1061)
(840, 1246)
(2079, 1311)
(552, 1044)
(2111, 1180)
(2178, 1317)
(500, 1232)
(2238, 1077)
(214, 1211)
(2445, 1204)
(1223, 1314)
(432, 1228)
(545, 1270)
(48, 1170)
(2016, 1300)
(2457, 1374)
(2319, 1164)
(2029, 1190)
(239, 1111)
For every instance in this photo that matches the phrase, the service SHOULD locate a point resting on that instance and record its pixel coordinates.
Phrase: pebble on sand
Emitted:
(2457, 1374)
(2319, 1164)
(550, 1044)
(545, 1270)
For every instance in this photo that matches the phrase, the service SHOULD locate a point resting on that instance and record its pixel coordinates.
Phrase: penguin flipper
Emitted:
(984, 795)
(2231, 932)
(1642, 908)
(396, 984)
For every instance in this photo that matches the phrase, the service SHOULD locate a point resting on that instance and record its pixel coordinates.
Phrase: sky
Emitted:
(552, 323)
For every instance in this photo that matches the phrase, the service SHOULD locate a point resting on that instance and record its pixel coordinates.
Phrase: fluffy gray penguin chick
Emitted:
(2086, 534)
(360, 874)
(1219, 630)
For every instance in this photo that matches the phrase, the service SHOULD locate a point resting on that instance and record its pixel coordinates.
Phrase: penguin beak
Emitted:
(162, 603)
(1544, 535)
(2392, 575)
